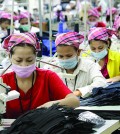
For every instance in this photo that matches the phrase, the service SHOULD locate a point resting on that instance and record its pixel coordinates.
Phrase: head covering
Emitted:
(113, 10)
(100, 33)
(15, 39)
(5, 15)
(93, 12)
(24, 15)
(70, 38)
(116, 24)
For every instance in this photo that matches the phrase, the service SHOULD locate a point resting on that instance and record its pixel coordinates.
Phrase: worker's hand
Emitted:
(77, 93)
(3, 86)
(48, 104)
(114, 79)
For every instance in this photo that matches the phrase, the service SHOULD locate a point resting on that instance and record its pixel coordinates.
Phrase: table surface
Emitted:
(107, 108)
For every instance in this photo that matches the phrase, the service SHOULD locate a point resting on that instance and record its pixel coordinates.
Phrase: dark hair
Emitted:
(76, 49)
(2, 20)
(22, 45)
(119, 29)
(108, 42)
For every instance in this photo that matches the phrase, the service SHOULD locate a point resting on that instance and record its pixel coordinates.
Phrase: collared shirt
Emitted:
(104, 70)
(88, 77)
(113, 65)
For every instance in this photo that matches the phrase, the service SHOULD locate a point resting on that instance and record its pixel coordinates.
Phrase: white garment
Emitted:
(34, 29)
(88, 77)
(3, 33)
(115, 46)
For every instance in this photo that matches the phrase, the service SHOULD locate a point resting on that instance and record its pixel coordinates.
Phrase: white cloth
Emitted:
(34, 29)
(88, 77)
(115, 46)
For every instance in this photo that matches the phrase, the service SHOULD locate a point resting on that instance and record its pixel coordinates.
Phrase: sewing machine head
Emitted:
(5, 96)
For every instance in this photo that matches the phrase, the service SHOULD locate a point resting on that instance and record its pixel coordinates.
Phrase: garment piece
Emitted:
(107, 96)
(54, 120)
(88, 76)
(45, 89)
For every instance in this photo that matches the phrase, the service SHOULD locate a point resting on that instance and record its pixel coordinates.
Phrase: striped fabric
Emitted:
(116, 24)
(70, 38)
(114, 11)
(15, 39)
(93, 12)
(5, 15)
(100, 33)
(24, 15)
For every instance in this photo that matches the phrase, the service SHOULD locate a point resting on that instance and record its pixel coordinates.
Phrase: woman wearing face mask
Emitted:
(93, 18)
(24, 25)
(37, 87)
(87, 74)
(108, 60)
(116, 37)
(4, 25)
(114, 12)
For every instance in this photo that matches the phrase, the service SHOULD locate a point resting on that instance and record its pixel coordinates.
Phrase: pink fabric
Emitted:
(104, 70)
(70, 38)
(24, 15)
(93, 12)
(114, 11)
(100, 33)
(15, 39)
(5, 15)
(116, 24)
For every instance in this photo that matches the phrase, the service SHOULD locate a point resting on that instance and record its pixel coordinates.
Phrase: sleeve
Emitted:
(58, 90)
(96, 78)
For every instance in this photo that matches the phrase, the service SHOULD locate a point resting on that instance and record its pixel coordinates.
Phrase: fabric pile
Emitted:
(54, 120)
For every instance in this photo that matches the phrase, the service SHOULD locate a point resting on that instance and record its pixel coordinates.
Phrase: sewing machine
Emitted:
(5, 96)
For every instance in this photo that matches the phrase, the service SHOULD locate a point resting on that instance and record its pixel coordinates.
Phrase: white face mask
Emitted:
(92, 24)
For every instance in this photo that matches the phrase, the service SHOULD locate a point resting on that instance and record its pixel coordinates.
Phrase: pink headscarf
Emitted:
(113, 10)
(70, 38)
(116, 24)
(15, 39)
(100, 33)
(93, 12)
(24, 15)
(5, 15)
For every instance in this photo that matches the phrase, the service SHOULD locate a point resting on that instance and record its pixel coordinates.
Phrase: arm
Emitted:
(70, 100)
(114, 79)
(59, 92)
(96, 78)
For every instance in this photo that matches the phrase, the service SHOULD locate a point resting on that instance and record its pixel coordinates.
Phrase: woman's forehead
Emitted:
(23, 51)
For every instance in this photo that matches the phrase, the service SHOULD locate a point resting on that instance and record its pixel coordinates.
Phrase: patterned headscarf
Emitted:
(70, 38)
(100, 33)
(116, 24)
(15, 39)
(5, 15)
(24, 15)
(113, 10)
(93, 12)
